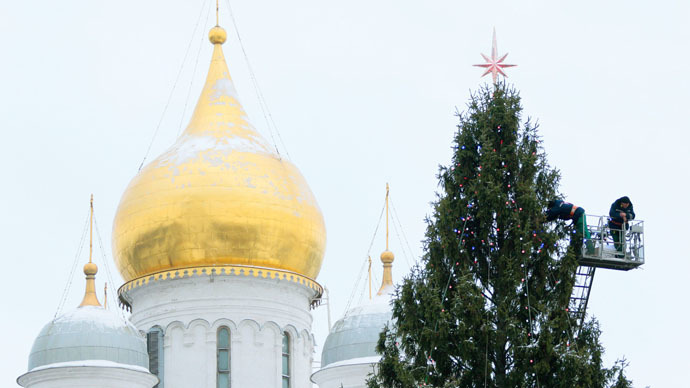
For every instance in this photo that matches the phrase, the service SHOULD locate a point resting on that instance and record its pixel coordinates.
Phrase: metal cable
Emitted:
(172, 91)
(355, 287)
(191, 83)
(376, 278)
(103, 255)
(373, 238)
(63, 299)
(268, 117)
(402, 231)
(360, 297)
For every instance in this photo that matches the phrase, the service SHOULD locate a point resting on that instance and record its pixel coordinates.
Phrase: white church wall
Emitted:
(304, 344)
(255, 310)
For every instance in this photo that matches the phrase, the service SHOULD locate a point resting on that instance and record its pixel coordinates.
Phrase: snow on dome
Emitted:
(354, 336)
(95, 363)
(89, 333)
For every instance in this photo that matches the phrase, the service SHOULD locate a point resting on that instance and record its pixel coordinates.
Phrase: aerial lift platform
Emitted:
(600, 251)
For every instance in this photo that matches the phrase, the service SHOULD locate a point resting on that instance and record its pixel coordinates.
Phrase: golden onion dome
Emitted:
(218, 197)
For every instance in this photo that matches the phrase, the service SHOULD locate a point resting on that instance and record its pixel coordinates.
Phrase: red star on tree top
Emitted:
(494, 64)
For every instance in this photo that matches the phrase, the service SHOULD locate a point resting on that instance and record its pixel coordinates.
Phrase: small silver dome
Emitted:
(357, 333)
(89, 333)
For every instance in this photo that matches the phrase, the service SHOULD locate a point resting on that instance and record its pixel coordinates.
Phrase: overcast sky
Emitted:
(362, 93)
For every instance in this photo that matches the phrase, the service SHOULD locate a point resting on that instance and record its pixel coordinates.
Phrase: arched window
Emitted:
(223, 356)
(286, 360)
(154, 346)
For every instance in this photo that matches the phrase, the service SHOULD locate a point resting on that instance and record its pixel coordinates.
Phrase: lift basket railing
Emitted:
(613, 248)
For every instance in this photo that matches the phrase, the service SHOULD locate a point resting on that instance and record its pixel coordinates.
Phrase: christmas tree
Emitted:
(488, 304)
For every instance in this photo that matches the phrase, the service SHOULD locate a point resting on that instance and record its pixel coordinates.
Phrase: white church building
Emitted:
(219, 241)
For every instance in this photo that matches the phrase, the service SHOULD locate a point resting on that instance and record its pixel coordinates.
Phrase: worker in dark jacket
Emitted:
(621, 212)
(568, 211)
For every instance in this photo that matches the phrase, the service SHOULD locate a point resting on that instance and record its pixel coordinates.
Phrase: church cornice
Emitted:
(224, 270)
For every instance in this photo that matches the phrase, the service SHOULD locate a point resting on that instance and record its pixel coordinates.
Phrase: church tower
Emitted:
(219, 241)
